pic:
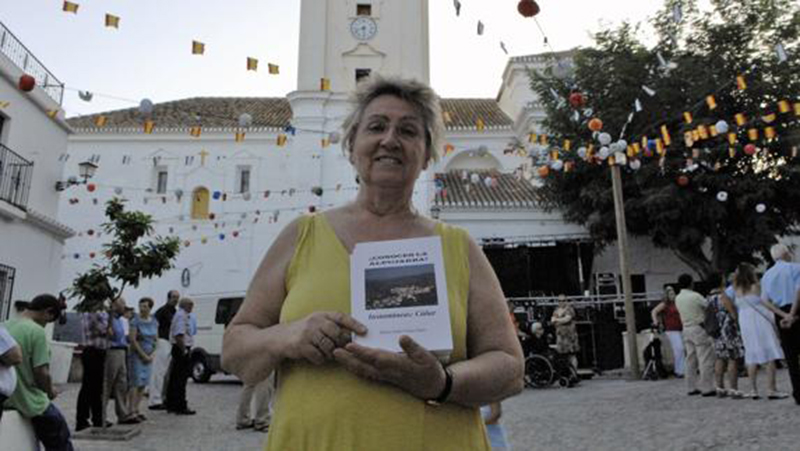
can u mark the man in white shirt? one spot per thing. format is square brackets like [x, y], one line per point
[182, 331]
[699, 346]
[10, 355]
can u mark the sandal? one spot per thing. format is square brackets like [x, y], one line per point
[752, 395]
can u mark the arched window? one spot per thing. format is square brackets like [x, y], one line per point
[200, 198]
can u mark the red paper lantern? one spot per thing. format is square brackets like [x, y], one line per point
[528, 8]
[312, 209]
[91, 254]
[235, 233]
[576, 99]
[544, 171]
[90, 232]
[595, 125]
[750, 149]
[27, 83]
[211, 216]
[683, 180]
[91, 187]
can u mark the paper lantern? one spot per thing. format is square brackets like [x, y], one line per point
[582, 152]
[92, 254]
[317, 191]
[595, 125]
[722, 196]
[26, 83]
[91, 187]
[235, 233]
[221, 236]
[557, 165]
[312, 209]
[528, 8]
[211, 216]
[576, 99]
[761, 208]
[245, 120]
[722, 127]
[750, 149]
[187, 243]
[683, 180]
[635, 164]
[544, 171]
[216, 195]
[604, 138]
[146, 107]
[604, 153]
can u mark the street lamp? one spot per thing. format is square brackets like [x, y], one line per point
[86, 171]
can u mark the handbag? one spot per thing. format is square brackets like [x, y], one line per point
[710, 323]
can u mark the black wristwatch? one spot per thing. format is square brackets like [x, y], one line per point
[448, 386]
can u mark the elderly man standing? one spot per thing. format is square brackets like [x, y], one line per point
[35, 388]
[699, 346]
[158, 376]
[116, 367]
[781, 286]
[182, 331]
[93, 357]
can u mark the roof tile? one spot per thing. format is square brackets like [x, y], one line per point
[510, 192]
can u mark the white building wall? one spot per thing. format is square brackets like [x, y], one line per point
[30, 239]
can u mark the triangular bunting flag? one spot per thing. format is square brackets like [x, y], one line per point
[324, 84]
[780, 52]
[480, 28]
[4, 104]
[273, 69]
[281, 141]
[148, 126]
[741, 83]
[100, 121]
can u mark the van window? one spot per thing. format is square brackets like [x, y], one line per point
[226, 308]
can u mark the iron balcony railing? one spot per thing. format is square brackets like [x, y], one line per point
[11, 47]
[6, 290]
[15, 178]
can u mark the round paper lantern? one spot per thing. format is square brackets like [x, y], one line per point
[475, 178]
[557, 165]
[317, 191]
[90, 232]
[26, 83]
[118, 191]
[604, 153]
[721, 126]
[604, 138]
[216, 195]
[203, 240]
[722, 196]
[91, 254]
[750, 149]
[91, 187]
[245, 120]
[221, 236]
[595, 125]
[622, 144]
[187, 243]
[683, 180]
[146, 107]
[576, 99]
[312, 209]
[635, 164]
[582, 152]
[235, 233]
[544, 171]
[211, 216]
[528, 8]
[761, 208]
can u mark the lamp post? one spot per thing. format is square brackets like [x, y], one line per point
[86, 171]
[622, 246]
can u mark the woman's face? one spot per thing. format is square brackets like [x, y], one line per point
[144, 308]
[389, 145]
[670, 294]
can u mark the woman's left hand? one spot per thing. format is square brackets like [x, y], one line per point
[418, 371]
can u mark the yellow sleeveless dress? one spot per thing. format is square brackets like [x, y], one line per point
[321, 408]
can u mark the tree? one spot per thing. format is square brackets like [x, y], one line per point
[678, 199]
[128, 261]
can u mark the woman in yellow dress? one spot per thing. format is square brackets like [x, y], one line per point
[334, 394]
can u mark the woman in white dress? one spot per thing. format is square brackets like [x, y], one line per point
[761, 344]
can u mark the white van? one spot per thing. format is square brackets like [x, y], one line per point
[213, 311]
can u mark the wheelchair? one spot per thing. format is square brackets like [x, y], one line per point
[545, 367]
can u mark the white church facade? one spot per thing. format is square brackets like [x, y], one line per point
[227, 184]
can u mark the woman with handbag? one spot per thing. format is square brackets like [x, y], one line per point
[761, 344]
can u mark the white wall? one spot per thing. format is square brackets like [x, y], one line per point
[32, 243]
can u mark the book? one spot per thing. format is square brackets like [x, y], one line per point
[399, 287]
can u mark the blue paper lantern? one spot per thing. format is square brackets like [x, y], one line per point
[217, 195]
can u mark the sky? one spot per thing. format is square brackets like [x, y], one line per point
[149, 56]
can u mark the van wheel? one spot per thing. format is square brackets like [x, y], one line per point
[200, 372]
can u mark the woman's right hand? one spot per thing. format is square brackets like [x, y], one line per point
[315, 337]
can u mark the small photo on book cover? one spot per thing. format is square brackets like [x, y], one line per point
[400, 286]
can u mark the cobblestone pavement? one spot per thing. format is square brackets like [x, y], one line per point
[599, 414]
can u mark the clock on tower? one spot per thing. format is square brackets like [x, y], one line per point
[363, 28]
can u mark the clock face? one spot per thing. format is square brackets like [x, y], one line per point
[363, 28]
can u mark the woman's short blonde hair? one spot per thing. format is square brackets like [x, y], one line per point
[418, 94]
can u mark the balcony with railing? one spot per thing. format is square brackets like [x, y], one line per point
[15, 178]
[14, 50]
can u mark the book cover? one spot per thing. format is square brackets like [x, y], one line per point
[399, 288]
